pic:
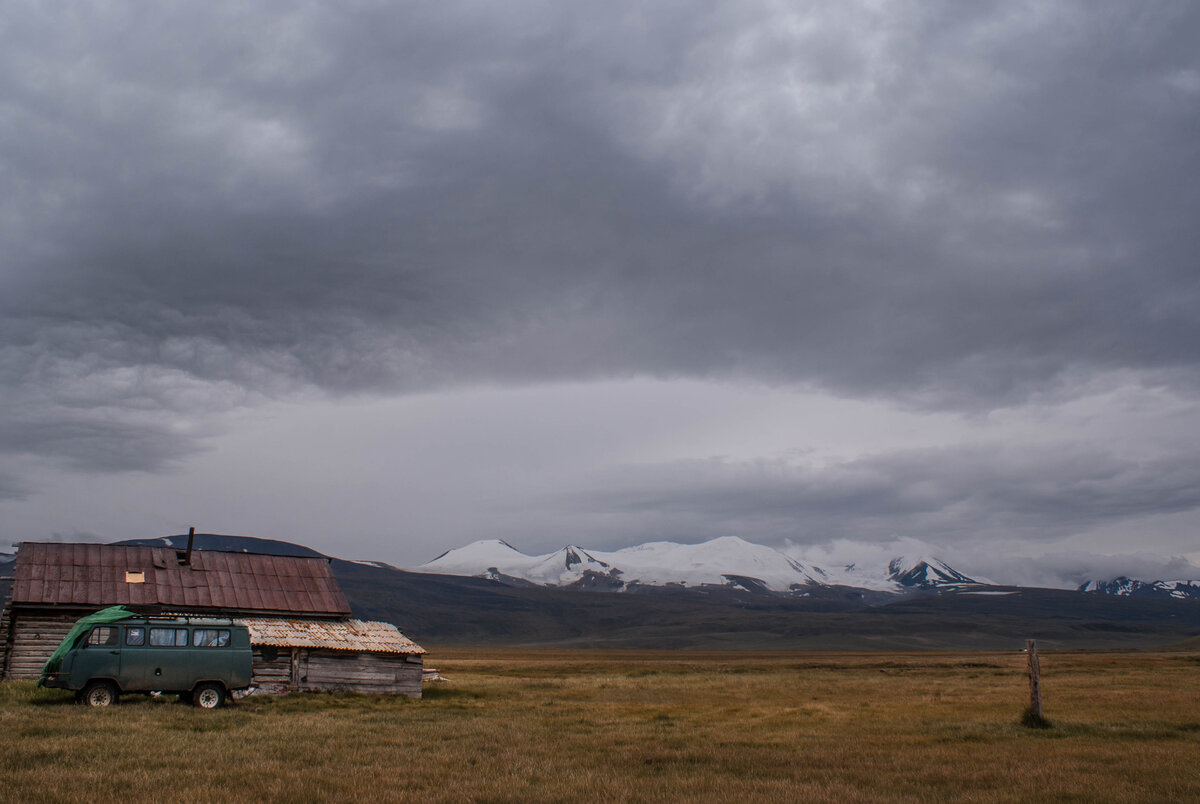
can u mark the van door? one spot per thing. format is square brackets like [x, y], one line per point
[97, 656]
[212, 654]
[135, 659]
[170, 659]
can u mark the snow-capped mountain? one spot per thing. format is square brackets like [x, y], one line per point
[1129, 587]
[496, 558]
[726, 561]
[925, 572]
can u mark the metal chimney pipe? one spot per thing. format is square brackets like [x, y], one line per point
[187, 559]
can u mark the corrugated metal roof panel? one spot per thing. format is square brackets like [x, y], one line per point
[351, 635]
[94, 575]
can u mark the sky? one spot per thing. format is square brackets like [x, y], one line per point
[387, 278]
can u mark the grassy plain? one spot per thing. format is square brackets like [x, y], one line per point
[518, 725]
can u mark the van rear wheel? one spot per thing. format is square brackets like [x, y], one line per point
[100, 694]
[208, 696]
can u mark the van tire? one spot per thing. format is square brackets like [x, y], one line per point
[100, 694]
[208, 695]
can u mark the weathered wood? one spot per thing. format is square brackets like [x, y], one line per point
[1035, 678]
[34, 638]
[5, 635]
[337, 671]
[270, 673]
[296, 676]
[316, 665]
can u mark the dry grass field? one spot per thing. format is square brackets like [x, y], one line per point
[515, 725]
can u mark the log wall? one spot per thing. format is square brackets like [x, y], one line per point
[271, 669]
[373, 673]
[33, 638]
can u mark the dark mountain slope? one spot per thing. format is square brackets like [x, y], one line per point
[458, 610]
[233, 544]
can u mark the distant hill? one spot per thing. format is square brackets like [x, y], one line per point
[1130, 587]
[232, 544]
[449, 609]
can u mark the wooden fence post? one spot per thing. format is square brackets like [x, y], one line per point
[1035, 678]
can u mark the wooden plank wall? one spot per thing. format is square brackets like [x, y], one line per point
[34, 638]
[374, 673]
[5, 640]
[271, 669]
[279, 670]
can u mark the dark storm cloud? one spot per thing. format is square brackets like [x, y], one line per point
[90, 443]
[959, 205]
[954, 496]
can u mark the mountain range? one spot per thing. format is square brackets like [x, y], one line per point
[736, 563]
[728, 594]
[1128, 587]
[723, 562]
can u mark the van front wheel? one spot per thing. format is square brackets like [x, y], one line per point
[100, 694]
[208, 696]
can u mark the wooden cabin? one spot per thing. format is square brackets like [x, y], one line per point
[342, 655]
[301, 632]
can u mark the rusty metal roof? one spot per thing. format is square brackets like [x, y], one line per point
[107, 575]
[353, 635]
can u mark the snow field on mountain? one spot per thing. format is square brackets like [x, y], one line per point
[717, 562]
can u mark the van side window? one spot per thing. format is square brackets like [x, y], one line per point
[168, 637]
[102, 635]
[210, 638]
[135, 635]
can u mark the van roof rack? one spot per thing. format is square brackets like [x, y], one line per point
[189, 619]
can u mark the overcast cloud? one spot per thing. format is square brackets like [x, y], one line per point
[653, 242]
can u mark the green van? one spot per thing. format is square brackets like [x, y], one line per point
[201, 658]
